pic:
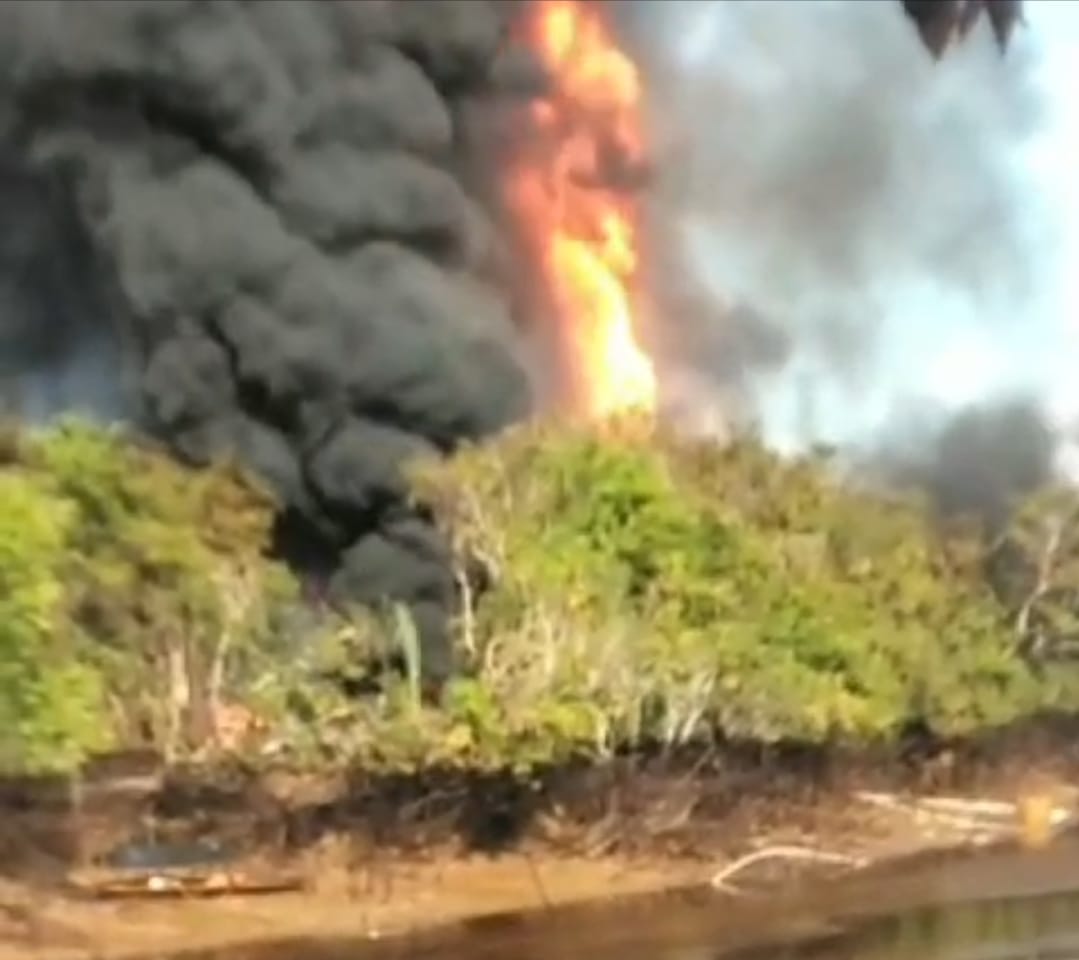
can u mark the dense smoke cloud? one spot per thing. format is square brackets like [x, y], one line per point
[274, 188]
[980, 462]
[264, 214]
[55, 352]
[829, 190]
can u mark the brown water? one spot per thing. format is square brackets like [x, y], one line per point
[1003, 905]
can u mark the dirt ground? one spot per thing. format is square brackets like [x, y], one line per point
[375, 859]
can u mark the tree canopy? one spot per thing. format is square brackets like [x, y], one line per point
[123, 576]
[619, 586]
[646, 586]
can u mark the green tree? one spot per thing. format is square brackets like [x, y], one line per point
[158, 578]
[651, 587]
[1034, 566]
[51, 704]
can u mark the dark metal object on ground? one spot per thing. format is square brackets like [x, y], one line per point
[138, 870]
[167, 856]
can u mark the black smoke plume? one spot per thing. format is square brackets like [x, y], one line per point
[257, 210]
[979, 463]
[251, 228]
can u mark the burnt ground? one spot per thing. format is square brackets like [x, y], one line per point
[375, 855]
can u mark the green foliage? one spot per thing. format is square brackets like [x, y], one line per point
[643, 588]
[49, 702]
[648, 587]
[133, 589]
[1034, 566]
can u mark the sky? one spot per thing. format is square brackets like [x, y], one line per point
[967, 364]
[943, 349]
[958, 359]
[1054, 32]
[965, 360]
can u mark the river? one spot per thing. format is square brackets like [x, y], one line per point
[999, 905]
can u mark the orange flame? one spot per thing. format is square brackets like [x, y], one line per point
[582, 228]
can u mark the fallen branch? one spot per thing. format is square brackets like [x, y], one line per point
[719, 879]
[888, 801]
[980, 812]
[994, 809]
[944, 807]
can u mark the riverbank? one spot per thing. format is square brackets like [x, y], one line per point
[377, 857]
[1016, 901]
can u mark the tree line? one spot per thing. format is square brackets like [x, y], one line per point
[618, 586]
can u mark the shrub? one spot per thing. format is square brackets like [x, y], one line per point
[51, 705]
[654, 588]
[137, 591]
[640, 588]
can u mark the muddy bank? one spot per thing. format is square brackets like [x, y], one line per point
[1006, 903]
[378, 856]
[930, 906]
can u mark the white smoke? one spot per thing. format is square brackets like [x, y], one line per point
[879, 212]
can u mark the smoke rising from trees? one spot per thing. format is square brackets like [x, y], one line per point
[301, 273]
[252, 226]
[833, 205]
